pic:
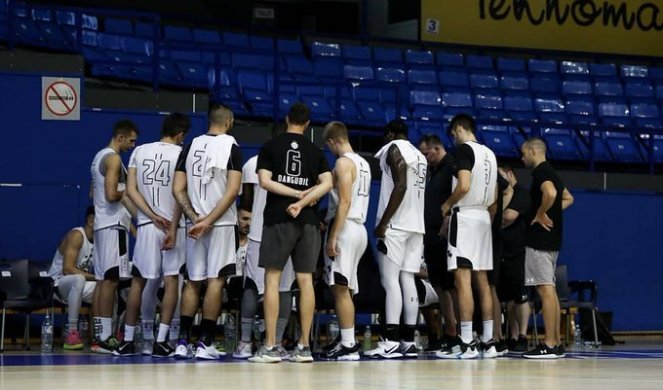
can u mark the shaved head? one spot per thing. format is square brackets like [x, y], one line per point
[537, 144]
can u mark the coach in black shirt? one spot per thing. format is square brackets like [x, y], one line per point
[543, 240]
[295, 174]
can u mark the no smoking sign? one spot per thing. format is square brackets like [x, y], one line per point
[60, 98]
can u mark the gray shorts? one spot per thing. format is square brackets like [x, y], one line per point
[540, 267]
[287, 239]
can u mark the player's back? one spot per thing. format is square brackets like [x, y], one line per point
[361, 188]
[107, 214]
[484, 178]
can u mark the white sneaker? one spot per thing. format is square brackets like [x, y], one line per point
[205, 352]
[264, 355]
[488, 350]
[386, 349]
[146, 348]
[243, 351]
[470, 351]
[183, 350]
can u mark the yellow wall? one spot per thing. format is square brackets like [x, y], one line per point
[632, 27]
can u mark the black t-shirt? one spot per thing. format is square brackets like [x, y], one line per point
[496, 226]
[438, 190]
[536, 236]
[513, 235]
[234, 162]
[295, 162]
[464, 158]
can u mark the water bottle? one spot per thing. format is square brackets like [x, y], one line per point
[367, 339]
[333, 329]
[577, 337]
[258, 328]
[417, 340]
[84, 328]
[229, 334]
[47, 335]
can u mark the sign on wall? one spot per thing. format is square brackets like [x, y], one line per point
[60, 98]
[631, 27]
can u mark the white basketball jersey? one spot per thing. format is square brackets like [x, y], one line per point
[84, 260]
[361, 188]
[240, 259]
[155, 170]
[484, 178]
[410, 214]
[249, 176]
[206, 172]
[108, 214]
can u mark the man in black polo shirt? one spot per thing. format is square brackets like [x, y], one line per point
[511, 286]
[543, 240]
[438, 189]
[295, 174]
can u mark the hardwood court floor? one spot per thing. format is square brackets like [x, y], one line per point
[635, 367]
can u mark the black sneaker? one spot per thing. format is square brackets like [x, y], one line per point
[542, 351]
[162, 350]
[126, 348]
[560, 351]
[448, 341]
[433, 346]
[332, 345]
[502, 348]
[520, 345]
[488, 350]
[339, 352]
[107, 346]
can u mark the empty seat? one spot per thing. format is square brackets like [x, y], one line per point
[372, 112]
[233, 39]
[519, 108]
[357, 55]
[457, 102]
[499, 140]
[446, 60]
[489, 106]
[261, 43]
[321, 110]
[608, 90]
[601, 151]
[328, 71]
[300, 68]
[511, 65]
[542, 66]
[614, 114]
[482, 81]
[319, 49]
[422, 78]
[550, 110]
[178, 34]
[623, 147]
[147, 30]
[206, 37]
[479, 63]
[416, 59]
[638, 92]
[358, 73]
[425, 98]
[646, 115]
[252, 61]
[580, 111]
[545, 85]
[450, 80]
[603, 71]
[561, 144]
[387, 57]
[576, 88]
[656, 74]
[514, 83]
[572, 70]
[289, 47]
[634, 71]
[118, 26]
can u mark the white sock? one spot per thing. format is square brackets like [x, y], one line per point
[487, 331]
[72, 326]
[174, 329]
[129, 332]
[106, 328]
[163, 331]
[348, 337]
[148, 330]
[97, 328]
[466, 331]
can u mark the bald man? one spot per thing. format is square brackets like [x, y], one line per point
[543, 240]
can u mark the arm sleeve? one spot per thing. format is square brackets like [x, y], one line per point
[464, 158]
[502, 184]
[264, 159]
[181, 160]
[235, 160]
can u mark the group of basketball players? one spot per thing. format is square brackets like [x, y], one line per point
[184, 203]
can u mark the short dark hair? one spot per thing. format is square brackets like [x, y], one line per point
[218, 113]
[507, 168]
[124, 127]
[89, 211]
[299, 114]
[465, 121]
[396, 126]
[431, 139]
[175, 123]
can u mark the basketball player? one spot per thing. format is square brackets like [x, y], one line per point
[469, 235]
[295, 174]
[207, 180]
[253, 198]
[113, 212]
[400, 233]
[160, 241]
[243, 228]
[70, 271]
[543, 240]
[346, 236]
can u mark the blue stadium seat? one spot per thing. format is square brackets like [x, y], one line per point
[515, 83]
[601, 151]
[390, 75]
[426, 105]
[358, 73]
[388, 95]
[255, 88]
[483, 81]
[542, 66]
[206, 37]
[349, 113]
[454, 81]
[422, 78]
[550, 110]
[572, 70]
[137, 50]
[561, 144]
[581, 111]
[659, 92]
[449, 61]
[67, 18]
[499, 140]
[367, 94]
[637, 92]
[357, 55]
[53, 35]
[489, 106]
[416, 59]
[623, 147]
[519, 108]
[600, 72]
[286, 100]
[372, 112]
[252, 61]
[321, 110]
[328, 70]
[290, 47]
[511, 65]
[26, 31]
[319, 49]
[237, 40]
[300, 69]
[479, 64]
[177, 34]
[457, 102]
[576, 88]
[118, 26]
[614, 114]
[209, 58]
[263, 44]
[658, 148]
[609, 91]
[388, 57]
[545, 85]
[147, 30]
[646, 115]
[656, 74]
[634, 72]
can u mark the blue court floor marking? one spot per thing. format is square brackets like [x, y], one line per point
[63, 359]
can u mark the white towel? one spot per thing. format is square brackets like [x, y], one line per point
[217, 154]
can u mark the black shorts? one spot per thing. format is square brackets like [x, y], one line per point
[511, 286]
[435, 256]
[290, 239]
[494, 274]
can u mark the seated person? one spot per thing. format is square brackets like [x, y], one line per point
[70, 271]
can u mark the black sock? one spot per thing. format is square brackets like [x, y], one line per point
[186, 323]
[392, 333]
[208, 328]
[407, 333]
